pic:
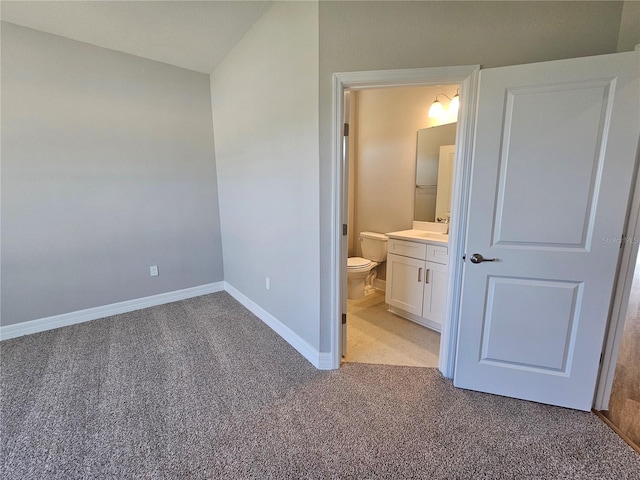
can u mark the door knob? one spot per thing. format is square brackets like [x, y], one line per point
[478, 258]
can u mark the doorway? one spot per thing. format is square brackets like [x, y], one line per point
[624, 404]
[567, 78]
[394, 179]
[467, 78]
[618, 396]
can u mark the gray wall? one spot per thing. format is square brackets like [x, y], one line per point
[357, 36]
[265, 108]
[107, 168]
[629, 35]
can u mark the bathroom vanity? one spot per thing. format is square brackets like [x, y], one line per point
[416, 282]
[417, 276]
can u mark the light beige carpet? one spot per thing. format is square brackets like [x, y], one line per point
[202, 389]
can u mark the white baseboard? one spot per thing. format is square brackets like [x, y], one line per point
[325, 361]
[380, 284]
[321, 361]
[316, 358]
[80, 316]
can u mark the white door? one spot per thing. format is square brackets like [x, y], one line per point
[552, 170]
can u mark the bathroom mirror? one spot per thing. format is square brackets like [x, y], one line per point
[433, 181]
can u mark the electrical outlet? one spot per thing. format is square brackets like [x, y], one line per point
[153, 270]
[267, 283]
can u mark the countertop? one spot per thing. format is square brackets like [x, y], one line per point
[421, 236]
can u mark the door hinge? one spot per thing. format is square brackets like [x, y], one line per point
[344, 229]
[346, 130]
[622, 240]
[344, 318]
[601, 357]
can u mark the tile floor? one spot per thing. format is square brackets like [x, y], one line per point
[375, 335]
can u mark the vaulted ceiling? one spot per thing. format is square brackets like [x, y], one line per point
[190, 34]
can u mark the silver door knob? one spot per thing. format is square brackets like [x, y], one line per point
[478, 258]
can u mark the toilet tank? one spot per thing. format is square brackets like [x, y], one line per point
[374, 246]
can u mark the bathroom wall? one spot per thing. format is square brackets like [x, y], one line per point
[107, 168]
[386, 126]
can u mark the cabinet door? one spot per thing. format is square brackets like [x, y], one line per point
[435, 292]
[405, 277]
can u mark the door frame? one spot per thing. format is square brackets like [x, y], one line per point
[468, 79]
[629, 243]
[621, 292]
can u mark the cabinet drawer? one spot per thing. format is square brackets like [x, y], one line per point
[437, 254]
[407, 249]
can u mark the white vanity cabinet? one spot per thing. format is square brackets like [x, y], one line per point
[417, 281]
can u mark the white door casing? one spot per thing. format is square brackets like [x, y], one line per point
[553, 160]
[344, 238]
[467, 78]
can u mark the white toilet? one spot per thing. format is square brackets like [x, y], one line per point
[361, 271]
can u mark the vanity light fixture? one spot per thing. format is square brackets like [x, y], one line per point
[455, 103]
[436, 110]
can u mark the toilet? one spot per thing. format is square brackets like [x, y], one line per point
[361, 271]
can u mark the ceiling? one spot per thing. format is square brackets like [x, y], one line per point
[190, 34]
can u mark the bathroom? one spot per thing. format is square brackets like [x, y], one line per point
[385, 195]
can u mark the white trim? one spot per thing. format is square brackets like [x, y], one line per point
[321, 361]
[468, 78]
[461, 187]
[81, 316]
[405, 77]
[380, 284]
[325, 361]
[335, 286]
[620, 305]
[425, 322]
[318, 360]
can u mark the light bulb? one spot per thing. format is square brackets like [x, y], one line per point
[454, 105]
[436, 110]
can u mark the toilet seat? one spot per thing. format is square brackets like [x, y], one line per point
[355, 264]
